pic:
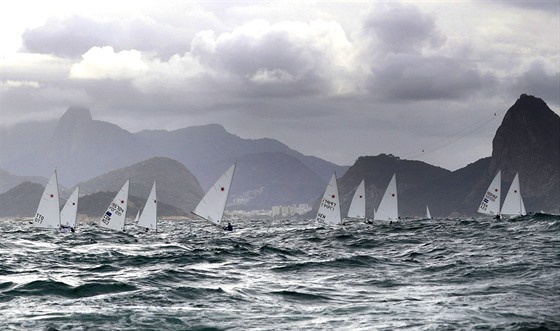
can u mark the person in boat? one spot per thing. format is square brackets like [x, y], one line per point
[497, 217]
[66, 229]
[147, 229]
[229, 227]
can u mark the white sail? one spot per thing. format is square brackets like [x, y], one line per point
[388, 208]
[148, 218]
[137, 217]
[69, 212]
[358, 205]
[428, 215]
[513, 203]
[329, 208]
[48, 211]
[213, 204]
[490, 204]
[116, 212]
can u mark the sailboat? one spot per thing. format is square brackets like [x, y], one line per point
[48, 211]
[513, 203]
[69, 212]
[148, 218]
[329, 208]
[490, 204]
[211, 207]
[428, 215]
[388, 208]
[116, 212]
[358, 204]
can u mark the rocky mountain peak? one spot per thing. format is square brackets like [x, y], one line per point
[528, 142]
[76, 114]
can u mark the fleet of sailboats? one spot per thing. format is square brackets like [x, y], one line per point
[211, 207]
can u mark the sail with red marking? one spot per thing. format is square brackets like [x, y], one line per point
[389, 208]
[148, 217]
[490, 204]
[69, 212]
[329, 208]
[513, 203]
[358, 204]
[213, 204]
[48, 211]
[115, 214]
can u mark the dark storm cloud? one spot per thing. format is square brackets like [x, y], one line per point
[403, 29]
[269, 60]
[536, 81]
[414, 77]
[74, 36]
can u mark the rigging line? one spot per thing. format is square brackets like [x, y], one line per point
[458, 136]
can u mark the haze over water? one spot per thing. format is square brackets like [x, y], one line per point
[415, 274]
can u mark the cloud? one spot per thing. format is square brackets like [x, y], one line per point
[73, 36]
[279, 59]
[403, 29]
[538, 79]
[13, 84]
[104, 63]
[415, 77]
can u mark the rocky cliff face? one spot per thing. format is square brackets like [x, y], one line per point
[528, 142]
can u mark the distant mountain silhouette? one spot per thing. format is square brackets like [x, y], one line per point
[21, 201]
[527, 142]
[9, 180]
[82, 148]
[175, 184]
[377, 172]
[266, 179]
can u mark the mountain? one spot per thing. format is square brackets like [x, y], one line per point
[204, 150]
[527, 142]
[175, 184]
[9, 180]
[82, 148]
[21, 201]
[266, 179]
[94, 205]
[377, 172]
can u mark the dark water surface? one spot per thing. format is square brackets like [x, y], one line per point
[285, 275]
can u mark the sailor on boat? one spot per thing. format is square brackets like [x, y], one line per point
[66, 229]
[229, 227]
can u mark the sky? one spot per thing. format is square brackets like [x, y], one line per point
[423, 80]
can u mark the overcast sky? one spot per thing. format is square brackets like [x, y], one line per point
[420, 80]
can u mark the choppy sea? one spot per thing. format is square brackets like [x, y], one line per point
[442, 274]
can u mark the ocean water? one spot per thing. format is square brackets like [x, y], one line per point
[443, 274]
